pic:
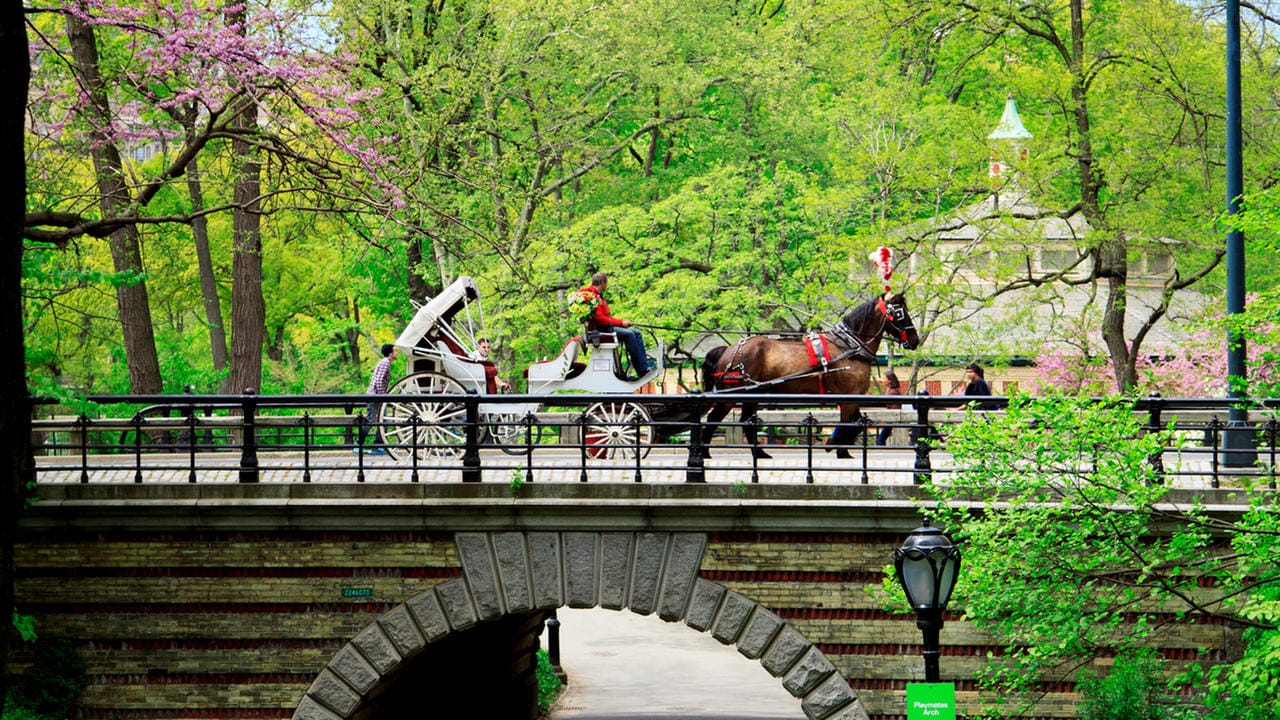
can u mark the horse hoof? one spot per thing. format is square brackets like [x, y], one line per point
[843, 454]
[759, 454]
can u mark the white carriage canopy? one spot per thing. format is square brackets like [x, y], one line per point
[440, 317]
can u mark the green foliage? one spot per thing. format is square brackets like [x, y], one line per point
[25, 625]
[732, 165]
[1070, 500]
[21, 712]
[1247, 689]
[50, 686]
[549, 684]
[516, 483]
[1134, 689]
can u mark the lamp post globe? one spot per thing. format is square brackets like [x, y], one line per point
[927, 566]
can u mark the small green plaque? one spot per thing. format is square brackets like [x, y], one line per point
[351, 592]
[931, 701]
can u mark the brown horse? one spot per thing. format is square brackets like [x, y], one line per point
[763, 365]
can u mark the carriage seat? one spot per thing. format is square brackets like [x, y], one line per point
[459, 365]
[561, 367]
[596, 338]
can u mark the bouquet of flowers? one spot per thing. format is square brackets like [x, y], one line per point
[583, 306]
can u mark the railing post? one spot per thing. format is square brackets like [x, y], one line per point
[415, 422]
[361, 424]
[582, 446]
[695, 466]
[307, 422]
[249, 441]
[471, 455]
[756, 424]
[810, 423]
[83, 422]
[1153, 426]
[865, 423]
[191, 440]
[529, 419]
[633, 422]
[362, 432]
[137, 447]
[1214, 430]
[923, 467]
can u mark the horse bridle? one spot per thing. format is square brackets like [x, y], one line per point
[894, 316]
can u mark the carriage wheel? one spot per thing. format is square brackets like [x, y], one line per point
[506, 430]
[615, 429]
[440, 430]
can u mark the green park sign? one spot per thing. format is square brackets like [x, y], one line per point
[931, 701]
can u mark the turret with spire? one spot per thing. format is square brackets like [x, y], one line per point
[1010, 134]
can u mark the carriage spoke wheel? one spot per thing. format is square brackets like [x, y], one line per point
[506, 430]
[440, 427]
[615, 429]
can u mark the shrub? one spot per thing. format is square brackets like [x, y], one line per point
[50, 687]
[1133, 690]
[549, 684]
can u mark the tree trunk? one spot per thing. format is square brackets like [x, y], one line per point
[1110, 256]
[1112, 261]
[419, 288]
[208, 281]
[132, 302]
[248, 309]
[15, 402]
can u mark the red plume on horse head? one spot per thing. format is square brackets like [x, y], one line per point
[883, 258]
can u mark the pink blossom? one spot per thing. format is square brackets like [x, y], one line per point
[1196, 368]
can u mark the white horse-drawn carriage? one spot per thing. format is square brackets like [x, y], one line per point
[425, 411]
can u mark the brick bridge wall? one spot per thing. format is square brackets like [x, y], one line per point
[321, 602]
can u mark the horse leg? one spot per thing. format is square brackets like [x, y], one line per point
[749, 429]
[718, 413]
[847, 430]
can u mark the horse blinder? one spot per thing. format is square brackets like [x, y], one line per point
[897, 315]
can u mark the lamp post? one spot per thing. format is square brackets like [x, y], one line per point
[927, 566]
[1238, 447]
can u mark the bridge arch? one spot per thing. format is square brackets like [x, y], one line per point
[521, 574]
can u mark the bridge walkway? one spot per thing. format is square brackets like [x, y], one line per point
[789, 465]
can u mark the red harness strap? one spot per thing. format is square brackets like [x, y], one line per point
[728, 378]
[812, 343]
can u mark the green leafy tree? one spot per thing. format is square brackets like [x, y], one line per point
[1093, 554]
[1126, 103]
[527, 119]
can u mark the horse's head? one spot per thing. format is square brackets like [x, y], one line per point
[898, 326]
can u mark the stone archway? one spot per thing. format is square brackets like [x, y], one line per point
[522, 572]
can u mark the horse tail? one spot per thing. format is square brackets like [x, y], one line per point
[709, 365]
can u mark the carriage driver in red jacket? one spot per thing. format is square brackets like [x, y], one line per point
[602, 321]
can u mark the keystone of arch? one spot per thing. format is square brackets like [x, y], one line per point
[521, 572]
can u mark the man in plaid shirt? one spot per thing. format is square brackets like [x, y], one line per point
[377, 386]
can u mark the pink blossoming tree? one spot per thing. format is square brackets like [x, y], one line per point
[1196, 368]
[228, 83]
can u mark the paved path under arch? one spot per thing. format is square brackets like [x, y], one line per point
[623, 665]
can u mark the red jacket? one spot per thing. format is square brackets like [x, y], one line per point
[600, 317]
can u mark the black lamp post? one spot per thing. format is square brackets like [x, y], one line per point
[927, 566]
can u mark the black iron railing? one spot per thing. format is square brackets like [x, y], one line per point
[603, 438]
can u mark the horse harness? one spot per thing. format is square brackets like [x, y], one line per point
[735, 374]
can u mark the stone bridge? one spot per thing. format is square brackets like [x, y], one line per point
[346, 600]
